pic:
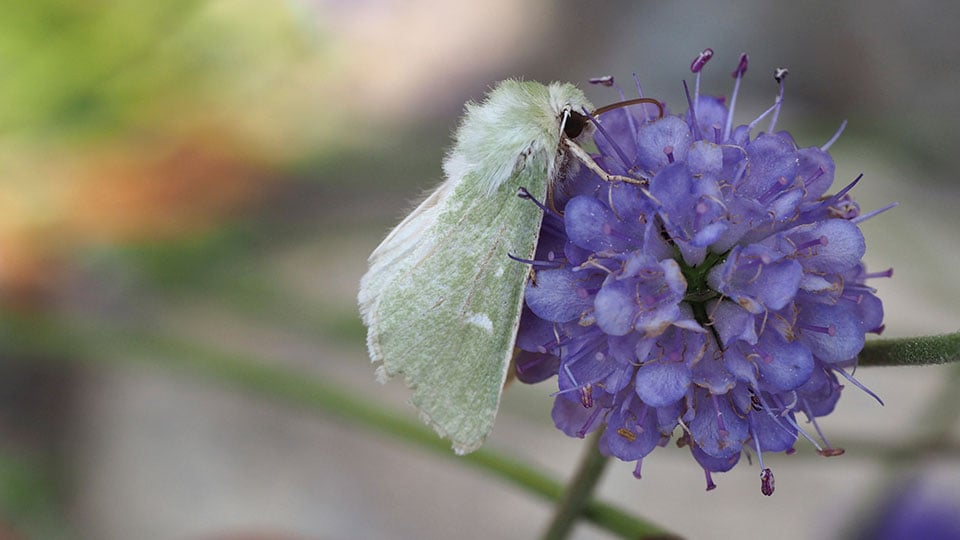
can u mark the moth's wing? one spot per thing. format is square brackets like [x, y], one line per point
[406, 244]
[443, 309]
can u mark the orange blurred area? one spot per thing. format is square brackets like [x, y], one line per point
[161, 189]
[158, 187]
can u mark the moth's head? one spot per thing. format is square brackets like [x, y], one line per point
[569, 104]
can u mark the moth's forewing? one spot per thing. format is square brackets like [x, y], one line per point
[448, 322]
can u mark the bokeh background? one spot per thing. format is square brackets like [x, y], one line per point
[191, 176]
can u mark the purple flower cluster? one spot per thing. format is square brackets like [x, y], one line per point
[714, 290]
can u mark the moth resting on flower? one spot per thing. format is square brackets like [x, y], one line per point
[442, 298]
[694, 278]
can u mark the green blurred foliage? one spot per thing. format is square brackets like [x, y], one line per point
[95, 67]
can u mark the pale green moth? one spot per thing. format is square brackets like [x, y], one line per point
[442, 299]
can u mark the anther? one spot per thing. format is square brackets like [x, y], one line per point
[766, 482]
[738, 75]
[606, 80]
[586, 396]
[701, 60]
[741, 66]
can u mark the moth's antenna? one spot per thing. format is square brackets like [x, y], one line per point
[627, 103]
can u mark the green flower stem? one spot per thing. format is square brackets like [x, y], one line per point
[917, 351]
[578, 492]
[39, 337]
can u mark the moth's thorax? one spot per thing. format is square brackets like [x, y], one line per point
[518, 126]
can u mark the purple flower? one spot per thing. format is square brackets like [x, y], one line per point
[715, 296]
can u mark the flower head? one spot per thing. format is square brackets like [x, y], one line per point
[718, 294]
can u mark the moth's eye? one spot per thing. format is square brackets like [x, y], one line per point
[575, 124]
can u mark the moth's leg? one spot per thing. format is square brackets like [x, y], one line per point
[583, 157]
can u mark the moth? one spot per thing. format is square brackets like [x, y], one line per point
[442, 298]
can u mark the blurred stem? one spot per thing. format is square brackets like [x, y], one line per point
[916, 351]
[579, 491]
[47, 338]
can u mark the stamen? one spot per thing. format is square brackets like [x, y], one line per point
[826, 146]
[697, 136]
[586, 396]
[829, 450]
[766, 482]
[855, 298]
[885, 274]
[780, 75]
[636, 470]
[847, 188]
[813, 177]
[863, 217]
[858, 384]
[582, 432]
[822, 241]
[721, 426]
[710, 485]
[775, 189]
[697, 65]
[828, 330]
[636, 80]
[763, 115]
[741, 170]
[668, 150]
[535, 263]
[701, 60]
[738, 76]
[610, 140]
[525, 194]
[803, 433]
[606, 80]
[623, 104]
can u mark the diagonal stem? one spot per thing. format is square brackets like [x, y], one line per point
[579, 491]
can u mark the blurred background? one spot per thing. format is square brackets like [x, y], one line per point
[190, 178]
